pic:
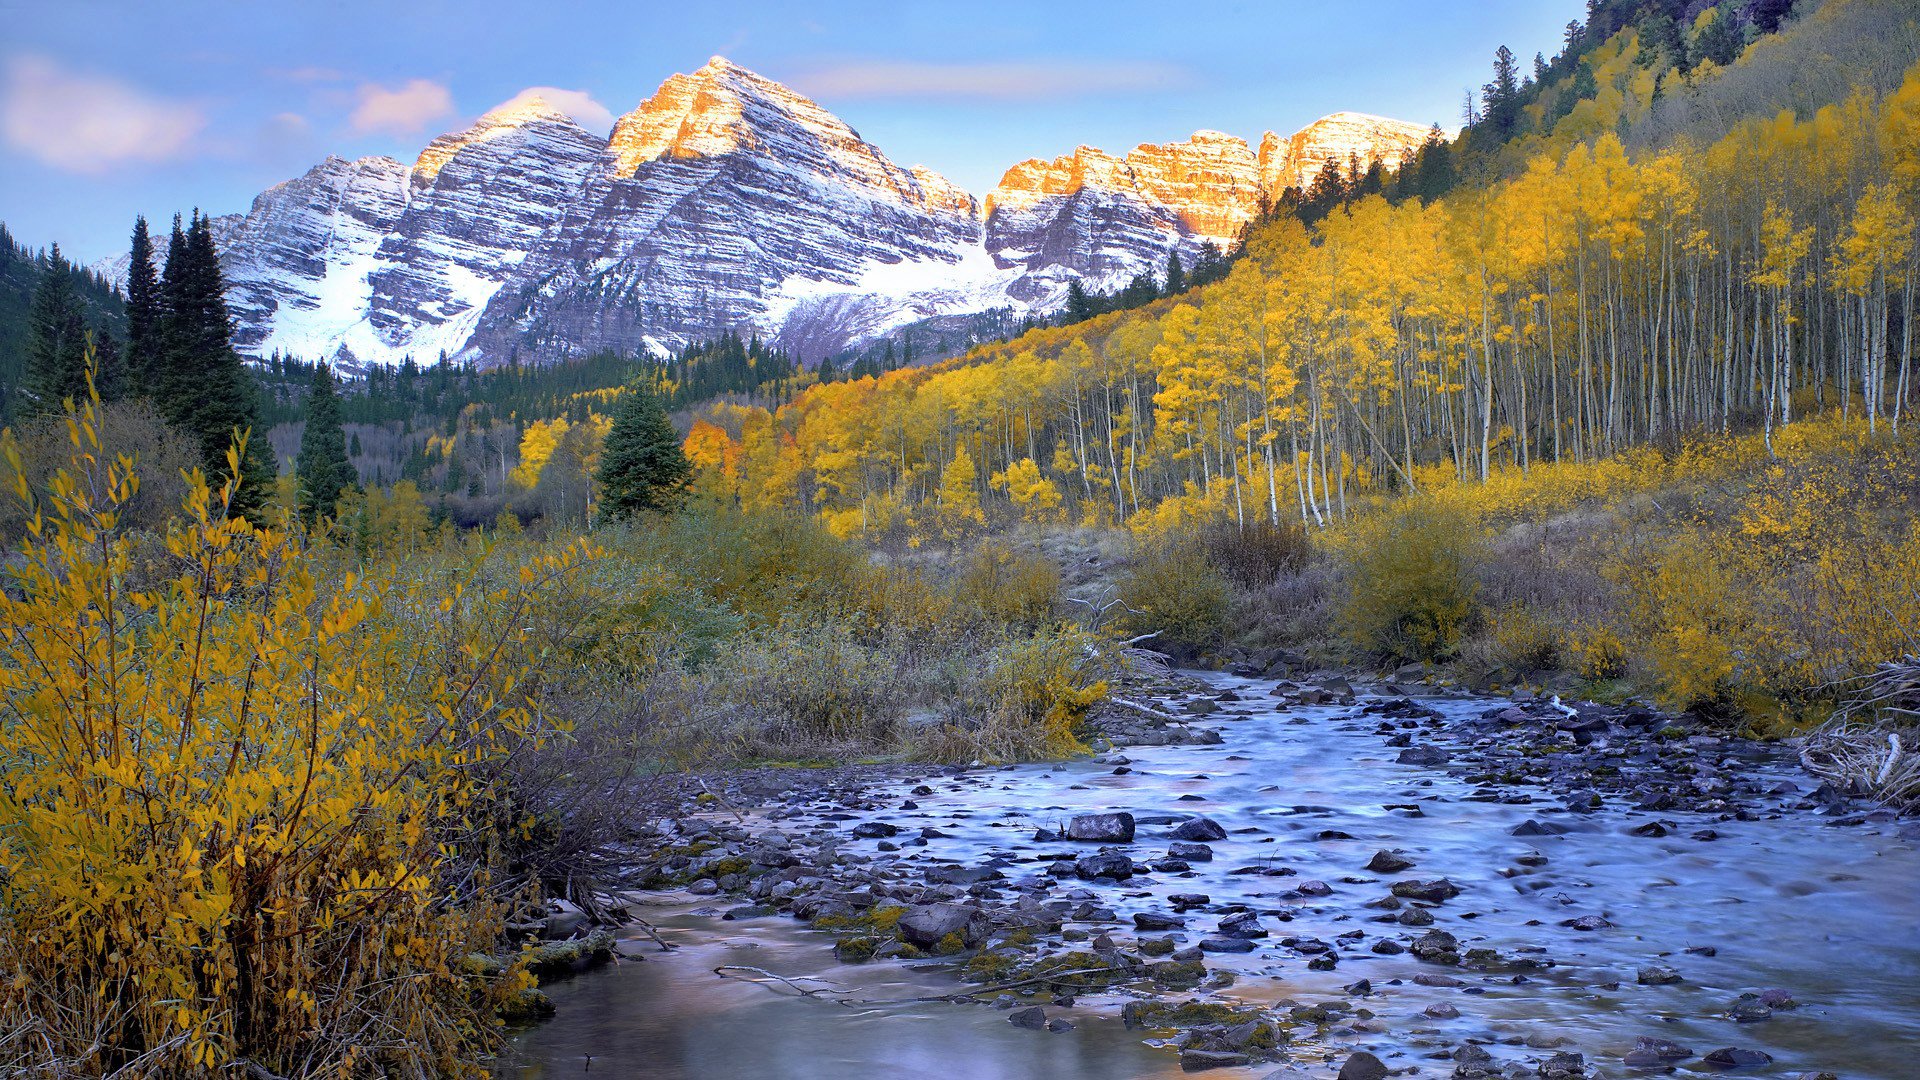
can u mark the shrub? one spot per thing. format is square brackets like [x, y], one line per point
[817, 684]
[238, 812]
[1025, 703]
[1256, 554]
[1523, 642]
[1602, 655]
[1412, 594]
[1009, 587]
[1172, 588]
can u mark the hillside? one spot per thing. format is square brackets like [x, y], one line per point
[20, 272]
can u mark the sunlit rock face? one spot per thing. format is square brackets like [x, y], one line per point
[1341, 139]
[725, 201]
[1102, 219]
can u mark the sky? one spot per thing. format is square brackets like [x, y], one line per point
[111, 109]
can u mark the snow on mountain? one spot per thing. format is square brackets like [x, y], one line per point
[724, 201]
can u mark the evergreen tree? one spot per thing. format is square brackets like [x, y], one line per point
[1079, 304]
[57, 341]
[322, 467]
[203, 387]
[1500, 99]
[642, 466]
[1720, 40]
[1176, 275]
[1436, 173]
[141, 361]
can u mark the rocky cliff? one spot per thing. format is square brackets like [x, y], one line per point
[724, 201]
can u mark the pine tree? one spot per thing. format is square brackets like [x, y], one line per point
[1500, 99]
[642, 467]
[57, 341]
[322, 467]
[141, 359]
[203, 387]
[1079, 304]
[1176, 281]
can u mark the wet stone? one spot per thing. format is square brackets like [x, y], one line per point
[1200, 829]
[1102, 828]
[1386, 862]
[1733, 1057]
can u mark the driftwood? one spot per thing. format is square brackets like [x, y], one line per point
[1870, 743]
[1147, 710]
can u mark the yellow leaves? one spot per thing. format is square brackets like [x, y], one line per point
[252, 755]
[1878, 240]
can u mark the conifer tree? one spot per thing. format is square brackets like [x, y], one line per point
[203, 388]
[642, 466]
[1176, 281]
[1079, 304]
[322, 467]
[141, 359]
[57, 342]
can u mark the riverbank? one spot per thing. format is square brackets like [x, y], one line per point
[1349, 870]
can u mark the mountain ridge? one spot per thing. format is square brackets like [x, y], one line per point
[725, 200]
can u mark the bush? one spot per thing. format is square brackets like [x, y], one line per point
[1412, 593]
[1008, 587]
[1024, 702]
[1172, 588]
[814, 686]
[1523, 642]
[1255, 555]
[239, 811]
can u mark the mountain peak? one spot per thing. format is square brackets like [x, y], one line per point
[524, 109]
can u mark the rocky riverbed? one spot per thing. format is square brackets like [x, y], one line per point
[1275, 879]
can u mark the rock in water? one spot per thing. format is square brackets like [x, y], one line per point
[1102, 828]
[1386, 862]
[1363, 1066]
[1033, 1018]
[928, 926]
[1108, 864]
[1732, 1057]
[1199, 829]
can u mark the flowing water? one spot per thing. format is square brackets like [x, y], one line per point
[1792, 902]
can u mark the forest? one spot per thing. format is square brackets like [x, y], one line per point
[346, 715]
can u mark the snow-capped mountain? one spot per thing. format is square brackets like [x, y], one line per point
[724, 201]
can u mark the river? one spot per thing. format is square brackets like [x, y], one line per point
[1789, 901]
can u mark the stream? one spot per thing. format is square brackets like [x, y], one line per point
[1790, 901]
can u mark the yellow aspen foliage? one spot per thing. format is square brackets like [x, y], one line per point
[537, 444]
[239, 815]
[1033, 494]
[960, 495]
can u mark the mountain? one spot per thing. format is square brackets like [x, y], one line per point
[724, 201]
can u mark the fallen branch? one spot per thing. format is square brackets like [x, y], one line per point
[1148, 710]
[1056, 976]
[724, 969]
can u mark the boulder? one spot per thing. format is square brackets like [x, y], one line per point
[1200, 829]
[1363, 1066]
[1108, 864]
[1102, 828]
[931, 924]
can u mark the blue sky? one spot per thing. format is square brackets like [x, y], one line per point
[112, 109]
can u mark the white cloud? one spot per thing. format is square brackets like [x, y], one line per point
[403, 111]
[1017, 80]
[578, 104]
[89, 123]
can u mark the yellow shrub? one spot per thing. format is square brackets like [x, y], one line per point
[233, 807]
[1412, 592]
